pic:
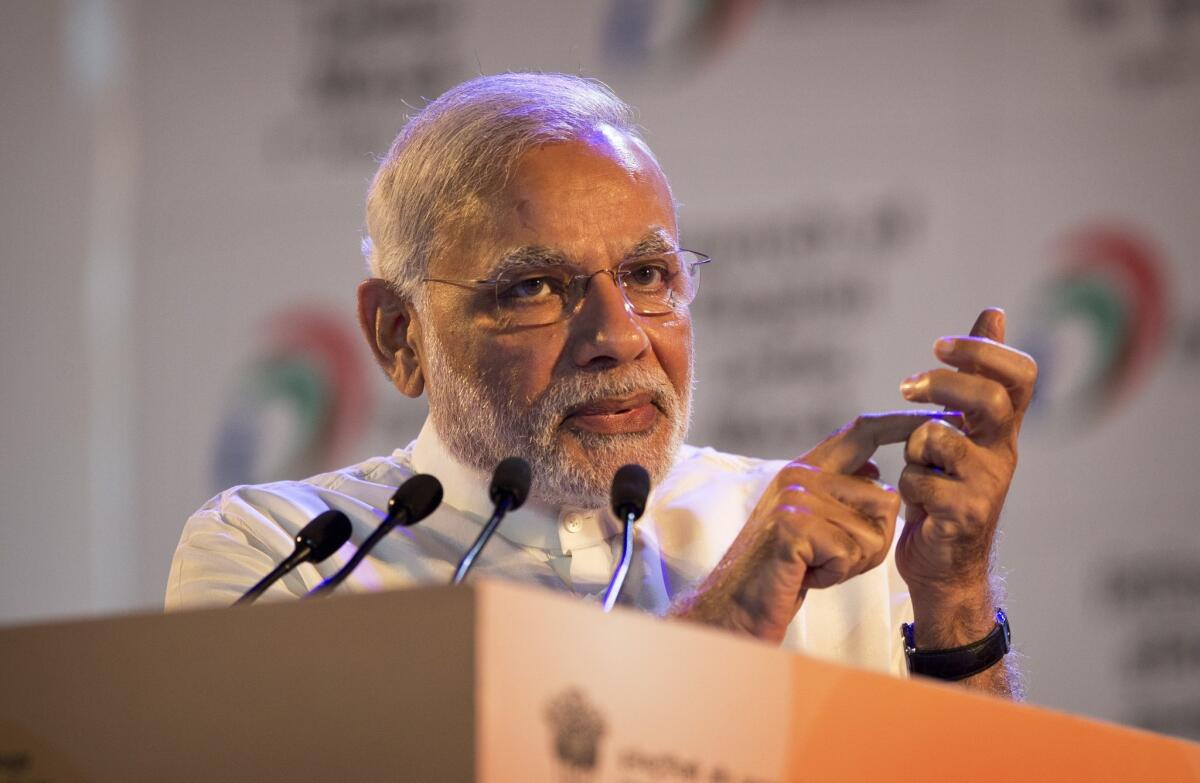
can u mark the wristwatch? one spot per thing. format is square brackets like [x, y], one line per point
[958, 663]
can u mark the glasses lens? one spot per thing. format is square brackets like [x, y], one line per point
[661, 283]
[656, 284]
[531, 297]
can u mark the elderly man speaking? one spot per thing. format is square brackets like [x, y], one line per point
[527, 274]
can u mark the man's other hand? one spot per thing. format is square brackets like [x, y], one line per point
[955, 480]
[823, 519]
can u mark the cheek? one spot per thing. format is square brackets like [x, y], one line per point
[672, 343]
[522, 364]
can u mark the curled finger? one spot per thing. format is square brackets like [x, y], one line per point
[1013, 369]
[866, 497]
[941, 446]
[952, 508]
[830, 553]
[985, 403]
[871, 535]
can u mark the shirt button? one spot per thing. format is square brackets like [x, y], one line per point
[573, 523]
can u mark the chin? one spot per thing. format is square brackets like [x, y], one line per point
[590, 459]
[573, 466]
[597, 446]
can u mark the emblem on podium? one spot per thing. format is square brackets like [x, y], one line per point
[577, 729]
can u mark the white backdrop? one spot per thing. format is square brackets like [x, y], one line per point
[182, 206]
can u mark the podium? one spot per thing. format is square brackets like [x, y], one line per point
[498, 682]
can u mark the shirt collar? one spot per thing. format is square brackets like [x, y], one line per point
[557, 530]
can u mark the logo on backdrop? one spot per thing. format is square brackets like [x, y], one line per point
[298, 405]
[707, 28]
[636, 35]
[1101, 323]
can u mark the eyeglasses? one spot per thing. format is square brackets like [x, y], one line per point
[538, 295]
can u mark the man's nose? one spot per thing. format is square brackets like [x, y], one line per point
[605, 329]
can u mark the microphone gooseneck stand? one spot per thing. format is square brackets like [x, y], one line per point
[510, 487]
[630, 487]
[468, 559]
[318, 540]
[412, 502]
[618, 579]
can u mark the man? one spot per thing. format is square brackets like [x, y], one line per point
[527, 276]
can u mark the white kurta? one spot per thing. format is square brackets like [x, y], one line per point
[691, 519]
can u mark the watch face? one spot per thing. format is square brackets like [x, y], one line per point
[1002, 621]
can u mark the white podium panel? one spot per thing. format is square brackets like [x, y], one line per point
[497, 683]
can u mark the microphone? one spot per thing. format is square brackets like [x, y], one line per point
[630, 487]
[316, 541]
[412, 502]
[510, 487]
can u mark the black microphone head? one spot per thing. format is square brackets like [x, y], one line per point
[630, 487]
[324, 535]
[417, 497]
[511, 479]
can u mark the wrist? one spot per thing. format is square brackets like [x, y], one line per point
[730, 606]
[962, 662]
[947, 617]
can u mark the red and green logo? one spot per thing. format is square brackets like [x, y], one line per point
[298, 406]
[1101, 324]
[632, 34]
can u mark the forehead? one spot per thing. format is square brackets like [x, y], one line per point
[591, 200]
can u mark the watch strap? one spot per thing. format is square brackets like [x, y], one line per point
[958, 663]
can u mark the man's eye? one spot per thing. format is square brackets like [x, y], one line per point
[530, 288]
[648, 275]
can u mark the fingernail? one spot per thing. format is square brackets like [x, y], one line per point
[944, 346]
[912, 385]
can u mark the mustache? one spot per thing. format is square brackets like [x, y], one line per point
[574, 391]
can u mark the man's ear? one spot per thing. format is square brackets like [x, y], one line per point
[389, 323]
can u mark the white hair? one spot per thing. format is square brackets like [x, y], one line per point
[459, 150]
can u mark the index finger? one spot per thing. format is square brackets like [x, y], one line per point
[848, 449]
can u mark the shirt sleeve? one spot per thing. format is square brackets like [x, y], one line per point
[900, 604]
[216, 562]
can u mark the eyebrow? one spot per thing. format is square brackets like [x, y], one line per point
[657, 240]
[526, 257]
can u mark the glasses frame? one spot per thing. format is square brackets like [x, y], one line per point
[577, 285]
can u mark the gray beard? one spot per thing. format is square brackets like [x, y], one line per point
[481, 425]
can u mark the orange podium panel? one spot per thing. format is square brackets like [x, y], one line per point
[497, 682]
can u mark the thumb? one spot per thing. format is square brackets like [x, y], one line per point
[990, 324]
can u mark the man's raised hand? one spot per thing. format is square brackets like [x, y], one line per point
[955, 480]
[822, 520]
